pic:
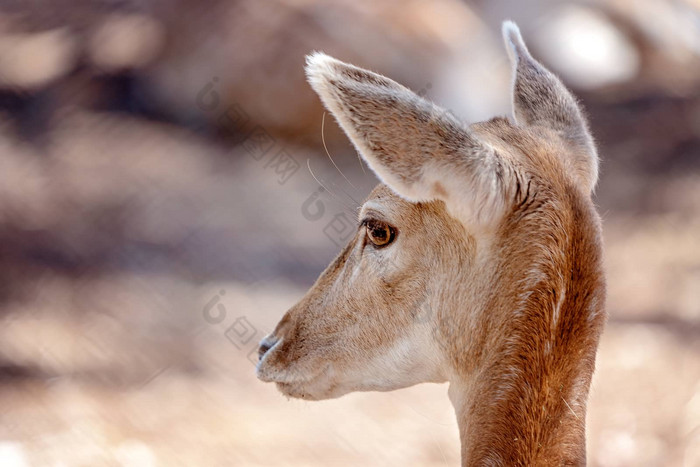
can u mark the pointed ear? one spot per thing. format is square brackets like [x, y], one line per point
[540, 99]
[416, 148]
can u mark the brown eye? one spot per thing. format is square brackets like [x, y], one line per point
[379, 233]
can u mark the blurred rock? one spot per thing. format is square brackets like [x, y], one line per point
[586, 48]
[643, 44]
[29, 61]
[251, 54]
[125, 41]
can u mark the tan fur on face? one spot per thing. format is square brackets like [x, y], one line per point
[494, 281]
[370, 301]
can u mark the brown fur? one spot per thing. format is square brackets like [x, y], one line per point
[494, 281]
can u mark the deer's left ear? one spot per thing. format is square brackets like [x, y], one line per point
[540, 99]
[415, 147]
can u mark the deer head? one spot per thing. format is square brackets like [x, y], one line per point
[476, 261]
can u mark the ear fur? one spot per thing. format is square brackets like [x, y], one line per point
[540, 99]
[415, 147]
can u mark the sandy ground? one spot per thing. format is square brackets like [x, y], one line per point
[644, 409]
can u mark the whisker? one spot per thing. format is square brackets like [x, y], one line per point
[362, 164]
[346, 193]
[323, 138]
[342, 203]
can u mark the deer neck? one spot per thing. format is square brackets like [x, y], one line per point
[524, 407]
[521, 381]
[503, 420]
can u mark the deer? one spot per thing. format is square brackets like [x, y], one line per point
[491, 228]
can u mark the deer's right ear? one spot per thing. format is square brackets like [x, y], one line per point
[415, 147]
[540, 98]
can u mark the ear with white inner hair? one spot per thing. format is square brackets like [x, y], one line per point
[415, 147]
[540, 99]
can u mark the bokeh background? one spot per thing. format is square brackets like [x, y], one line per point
[159, 213]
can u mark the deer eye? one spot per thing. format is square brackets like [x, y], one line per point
[379, 233]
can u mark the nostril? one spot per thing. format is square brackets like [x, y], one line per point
[265, 345]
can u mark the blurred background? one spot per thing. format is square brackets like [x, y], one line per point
[158, 215]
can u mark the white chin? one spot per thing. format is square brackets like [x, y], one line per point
[319, 388]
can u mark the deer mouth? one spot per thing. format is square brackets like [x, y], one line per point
[302, 380]
[317, 386]
[309, 390]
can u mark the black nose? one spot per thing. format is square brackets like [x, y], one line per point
[265, 345]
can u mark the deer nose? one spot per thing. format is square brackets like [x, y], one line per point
[266, 344]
